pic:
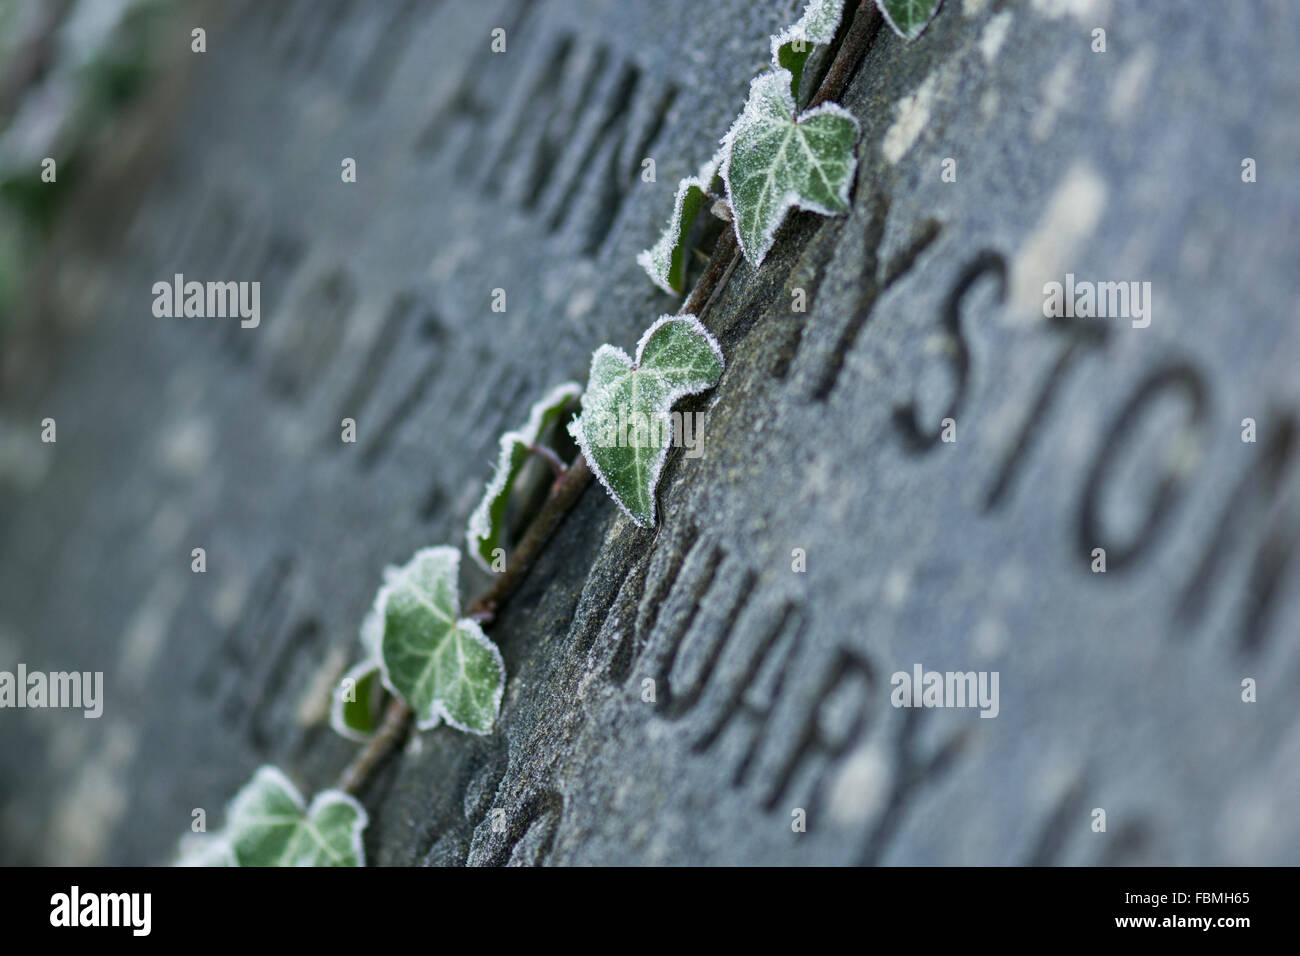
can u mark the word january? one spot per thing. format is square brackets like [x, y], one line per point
[57, 689]
[1101, 300]
[210, 300]
[102, 909]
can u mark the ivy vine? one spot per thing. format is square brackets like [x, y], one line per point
[426, 658]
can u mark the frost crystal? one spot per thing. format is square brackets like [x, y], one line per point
[773, 161]
[445, 668]
[625, 429]
[665, 261]
[486, 531]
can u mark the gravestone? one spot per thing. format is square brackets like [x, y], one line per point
[683, 694]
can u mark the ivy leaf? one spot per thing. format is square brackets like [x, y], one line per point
[358, 718]
[773, 161]
[206, 849]
[665, 261]
[487, 525]
[444, 668]
[793, 45]
[372, 625]
[675, 357]
[271, 825]
[908, 18]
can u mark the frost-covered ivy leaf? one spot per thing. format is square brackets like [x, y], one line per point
[626, 428]
[206, 849]
[270, 825]
[773, 161]
[442, 665]
[793, 45]
[358, 718]
[487, 530]
[665, 261]
[356, 708]
[372, 625]
[908, 18]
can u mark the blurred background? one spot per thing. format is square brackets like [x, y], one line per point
[69, 72]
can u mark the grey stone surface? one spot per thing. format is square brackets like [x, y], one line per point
[1119, 691]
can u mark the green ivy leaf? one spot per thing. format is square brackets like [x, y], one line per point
[793, 45]
[358, 718]
[271, 825]
[625, 428]
[908, 18]
[356, 709]
[665, 261]
[445, 668]
[487, 525]
[774, 160]
[206, 849]
[372, 625]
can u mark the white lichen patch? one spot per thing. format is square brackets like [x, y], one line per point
[1130, 85]
[861, 788]
[1087, 12]
[994, 35]
[911, 115]
[1053, 96]
[1051, 249]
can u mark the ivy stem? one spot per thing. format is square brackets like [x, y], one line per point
[862, 31]
[550, 457]
[392, 731]
[721, 263]
[573, 480]
[563, 496]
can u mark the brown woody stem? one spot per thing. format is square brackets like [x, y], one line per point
[550, 457]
